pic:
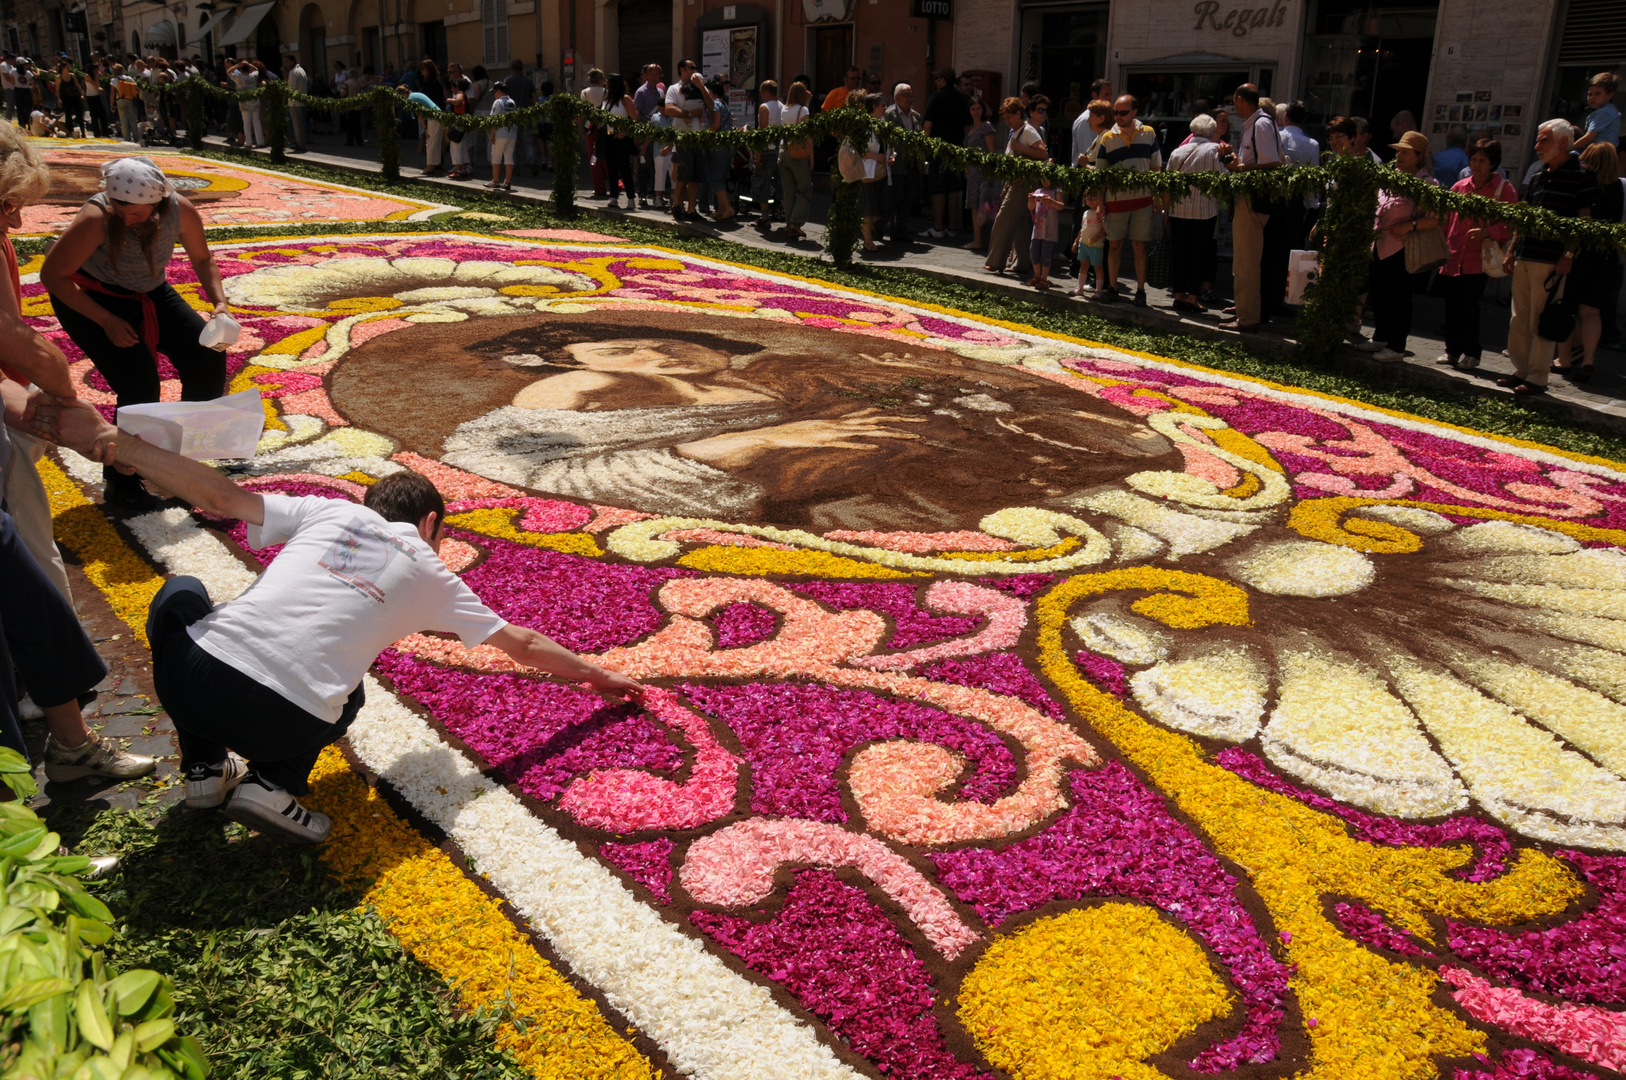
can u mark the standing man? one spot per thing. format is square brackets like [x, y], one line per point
[836, 98]
[22, 88]
[1286, 230]
[947, 117]
[300, 83]
[1566, 188]
[8, 82]
[688, 100]
[1259, 147]
[1132, 145]
[903, 170]
[522, 92]
[648, 100]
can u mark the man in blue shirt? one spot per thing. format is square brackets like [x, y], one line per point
[1449, 163]
[1603, 122]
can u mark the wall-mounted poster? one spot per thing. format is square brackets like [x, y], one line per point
[1512, 112]
[714, 53]
[742, 53]
[1512, 130]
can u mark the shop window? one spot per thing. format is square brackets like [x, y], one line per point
[494, 20]
[832, 48]
[1368, 59]
[1594, 41]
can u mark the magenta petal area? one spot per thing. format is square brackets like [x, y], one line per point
[1521, 1064]
[648, 863]
[1583, 960]
[1104, 672]
[539, 735]
[583, 604]
[1492, 843]
[841, 957]
[1002, 673]
[1025, 586]
[796, 737]
[1369, 928]
[913, 625]
[744, 623]
[1118, 839]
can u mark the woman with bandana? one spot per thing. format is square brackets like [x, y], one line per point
[107, 280]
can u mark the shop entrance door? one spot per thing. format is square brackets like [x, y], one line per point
[646, 38]
[832, 56]
[1369, 59]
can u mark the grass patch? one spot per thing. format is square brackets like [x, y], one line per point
[1497, 415]
[276, 972]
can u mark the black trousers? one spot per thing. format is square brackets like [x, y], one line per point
[618, 155]
[98, 115]
[217, 708]
[1462, 293]
[1283, 233]
[901, 204]
[1389, 294]
[1194, 253]
[131, 372]
[40, 635]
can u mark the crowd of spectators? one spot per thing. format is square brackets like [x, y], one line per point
[1020, 229]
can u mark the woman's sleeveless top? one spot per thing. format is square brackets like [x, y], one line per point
[131, 270]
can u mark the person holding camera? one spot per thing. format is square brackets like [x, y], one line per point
[688, 100]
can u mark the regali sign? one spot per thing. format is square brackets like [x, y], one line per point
[931, 9]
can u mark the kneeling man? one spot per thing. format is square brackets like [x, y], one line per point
[275, 675]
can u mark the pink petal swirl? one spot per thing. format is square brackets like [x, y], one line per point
[1006, 617]
[1584, 1031]
[735, 866]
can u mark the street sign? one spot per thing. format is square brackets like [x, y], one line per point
[931, 9]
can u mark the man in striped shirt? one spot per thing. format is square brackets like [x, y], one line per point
[1131, 145]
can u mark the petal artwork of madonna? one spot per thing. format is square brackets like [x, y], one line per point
[1020, 706]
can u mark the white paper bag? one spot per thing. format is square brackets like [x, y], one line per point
[227, 427]
[1302, 271]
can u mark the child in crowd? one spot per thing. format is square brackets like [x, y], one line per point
[1091, 244]
[1045, 206]
[1603, 122]
[503, 141]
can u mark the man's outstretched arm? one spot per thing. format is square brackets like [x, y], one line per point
[548, 656]
[81, 428]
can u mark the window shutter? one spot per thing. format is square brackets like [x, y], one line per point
[494, 16]
[1594, 34]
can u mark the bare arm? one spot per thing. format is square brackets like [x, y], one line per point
[33, 354]
[202, 259]
[546, 655]
[80, 427]
[86, 233]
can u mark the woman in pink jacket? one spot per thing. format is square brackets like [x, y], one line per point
[1463, 274]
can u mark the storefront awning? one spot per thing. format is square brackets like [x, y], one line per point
[158, 34]
[214, 20]
[246, 24]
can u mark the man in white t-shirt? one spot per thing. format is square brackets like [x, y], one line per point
[688, 100]
[8, 83]
[294, 74]
[276, 674]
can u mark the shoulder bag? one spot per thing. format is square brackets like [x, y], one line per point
[1557, 321]
[1492, 254]
[1426, 249]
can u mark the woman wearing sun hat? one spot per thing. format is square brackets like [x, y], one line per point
[108, 285]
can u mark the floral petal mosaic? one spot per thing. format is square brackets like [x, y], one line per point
[1020, 706]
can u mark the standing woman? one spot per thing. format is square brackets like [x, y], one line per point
[1597, 274]
[1389, 285]
[71, 97]
[617, 143]
[1463, 274]
[107, 280]
[981, 193]
[796, 164]
[96, 99]
[1191, 219]
[245, 76]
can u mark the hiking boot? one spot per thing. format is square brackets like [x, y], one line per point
[93, 757]
[208, 785]
[267, 808]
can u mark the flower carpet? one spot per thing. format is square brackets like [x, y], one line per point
[226, 194]
[1019, 706]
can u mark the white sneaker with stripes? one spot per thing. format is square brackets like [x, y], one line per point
[263, 806]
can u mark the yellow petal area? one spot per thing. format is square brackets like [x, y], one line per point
[449, 924]
[1590, 721]
[1603, 671]
[1320, 519]
[123, 576]
[1604, 603]
[1376, 1019]
[441, 917]
[1089, 994]
[719, 559]
[499, 522]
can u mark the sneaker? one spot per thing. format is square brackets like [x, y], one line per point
[1140, 297]
[507, 188]
[1387, 356]
[1370, 346]
[493, 184]
[1468, 363]
[934, 234]
[1355, 337]
[264, 807]
[93, 757]
[208, 785]
[1446, 360]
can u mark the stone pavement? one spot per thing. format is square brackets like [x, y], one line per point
[1601, 402]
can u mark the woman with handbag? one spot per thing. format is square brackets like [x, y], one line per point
[1477, 250]
[796, 164]
[1407, 242]
[1597, 274]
